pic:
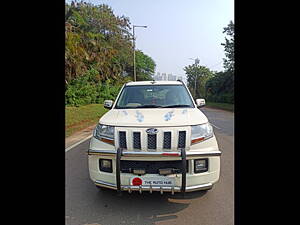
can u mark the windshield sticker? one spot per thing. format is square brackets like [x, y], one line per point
[169, 115]
[184, 111]
[125, 112]
[139, 116]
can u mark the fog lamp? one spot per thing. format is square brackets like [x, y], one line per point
[165, 171]
[106, 165]
[139, 171]
[200, 165]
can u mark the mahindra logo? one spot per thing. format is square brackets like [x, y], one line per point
[152, 131]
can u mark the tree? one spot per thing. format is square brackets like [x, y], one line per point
[198, 75]
[145, 66]
[220, 88]
[229, 47]
[98, 54]
[96, 38]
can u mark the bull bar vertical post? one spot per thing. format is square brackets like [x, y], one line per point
[118, 170]
[183, 175]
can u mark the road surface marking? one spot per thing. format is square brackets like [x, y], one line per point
[215, 126]
[72, 146]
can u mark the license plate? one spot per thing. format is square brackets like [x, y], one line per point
[156, 181]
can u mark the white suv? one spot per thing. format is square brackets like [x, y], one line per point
[154, 138]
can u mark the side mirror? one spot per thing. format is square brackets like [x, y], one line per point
[200, 102]
[108, 104]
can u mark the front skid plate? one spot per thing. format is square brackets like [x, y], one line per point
[154, 188]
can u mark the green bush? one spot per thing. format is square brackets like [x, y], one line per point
[222, 98]
[87, 89]
[220, 88]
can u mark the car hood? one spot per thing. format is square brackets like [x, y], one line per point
[153, 117]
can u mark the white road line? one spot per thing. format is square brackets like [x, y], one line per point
[72, 146]
[215, 126]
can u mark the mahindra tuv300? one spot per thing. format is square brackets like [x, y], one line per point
[154, 138]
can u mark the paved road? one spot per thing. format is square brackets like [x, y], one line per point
[222, 121]
[85, 205]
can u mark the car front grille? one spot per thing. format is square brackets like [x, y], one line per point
[131, 139]
[152, 167]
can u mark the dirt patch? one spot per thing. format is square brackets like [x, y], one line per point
[79, 124]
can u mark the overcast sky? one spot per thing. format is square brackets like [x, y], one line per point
[178, 30]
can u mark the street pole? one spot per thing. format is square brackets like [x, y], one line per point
[197, 61]
[195, 85]
[134, 71]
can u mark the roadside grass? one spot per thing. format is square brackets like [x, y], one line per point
[78, 118]
[217, 105]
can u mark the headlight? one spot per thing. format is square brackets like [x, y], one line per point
[104, 133]
[201, 133]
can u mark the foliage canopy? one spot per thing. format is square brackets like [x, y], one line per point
[215, 86]
[197, 76]
[98, 52]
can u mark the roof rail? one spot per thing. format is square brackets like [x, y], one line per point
[180, 81]
[128, 82]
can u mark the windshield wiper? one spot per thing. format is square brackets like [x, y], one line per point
[148, 106]
[177, 106]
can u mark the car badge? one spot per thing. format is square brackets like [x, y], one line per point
[151, 131]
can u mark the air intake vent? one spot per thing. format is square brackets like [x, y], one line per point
[167, 140]
[122, 139]
[152, 167]
[136, 140]
[181, 139]
[151, 141]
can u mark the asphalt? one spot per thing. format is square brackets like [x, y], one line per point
[86, 205]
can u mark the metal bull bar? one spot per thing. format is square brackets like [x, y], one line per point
[118, 172]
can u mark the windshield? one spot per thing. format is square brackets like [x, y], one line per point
[154, 96]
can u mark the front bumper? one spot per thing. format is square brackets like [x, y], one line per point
[185, 182]
[154, 154]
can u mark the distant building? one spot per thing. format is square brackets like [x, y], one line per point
[171, 77]
[157, 77]
[163, 76]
